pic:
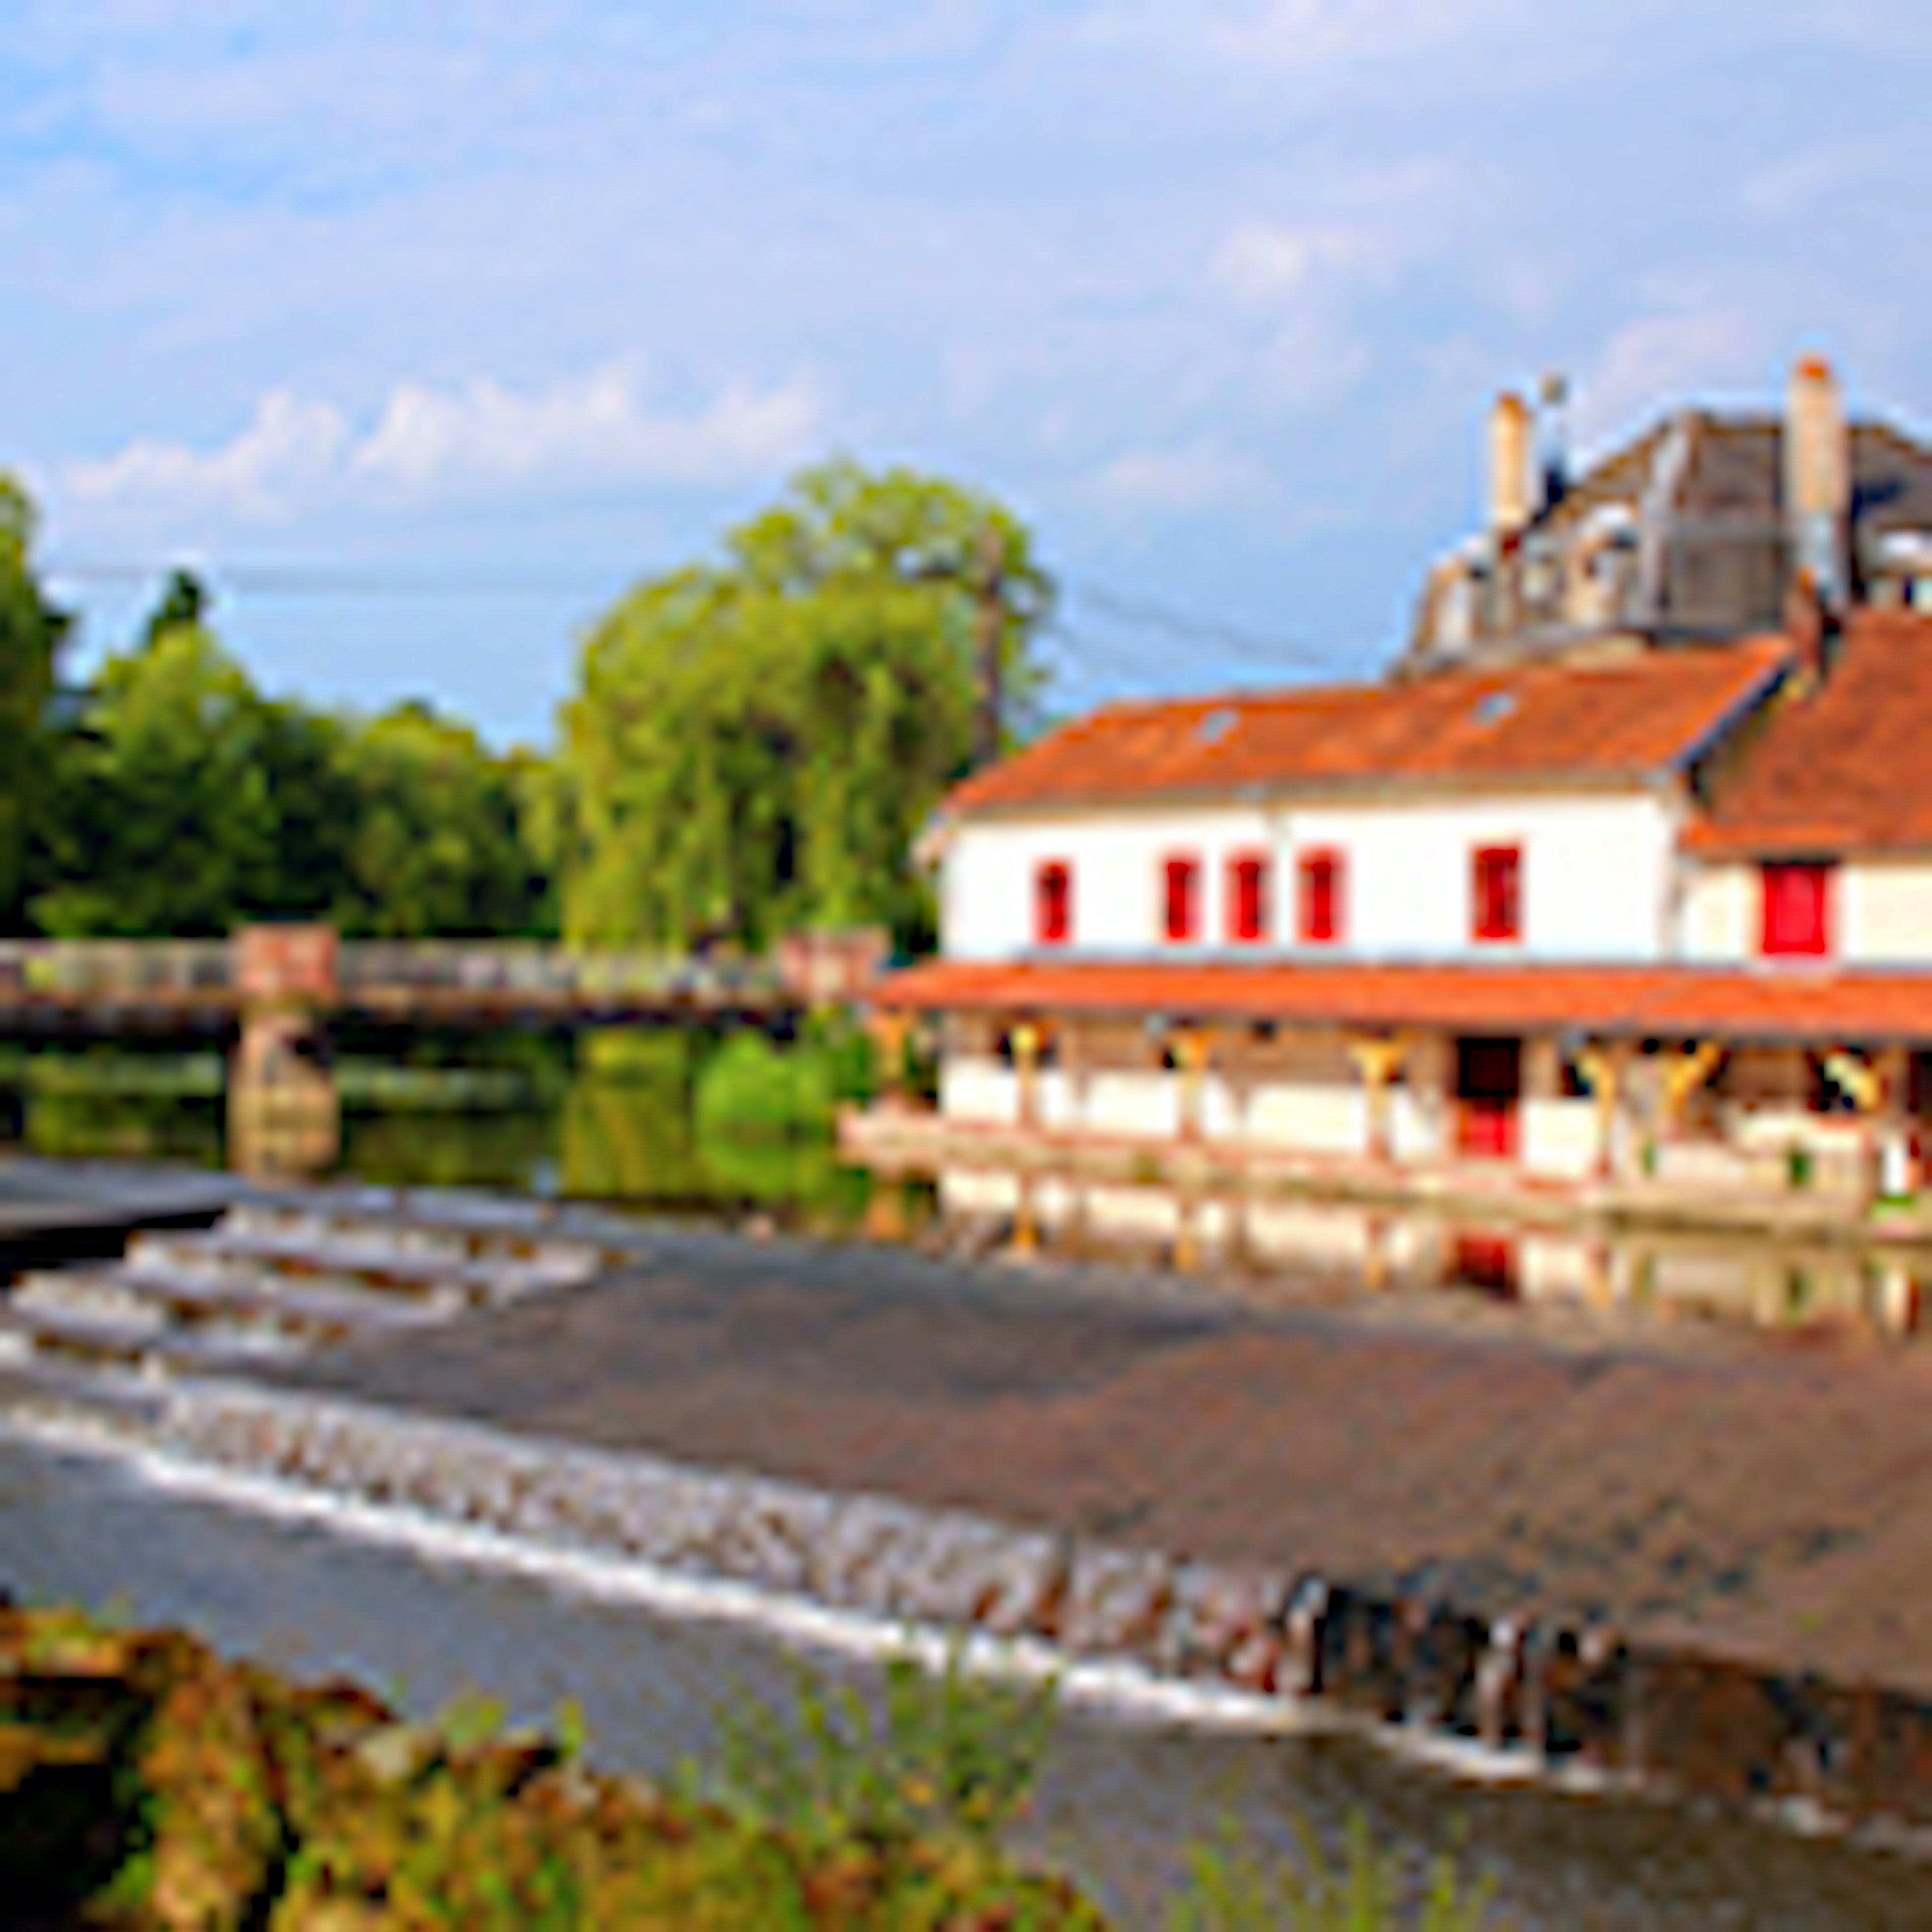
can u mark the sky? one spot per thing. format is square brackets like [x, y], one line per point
[422, 330]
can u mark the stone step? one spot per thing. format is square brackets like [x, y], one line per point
[92, 1342]
[319, 1314]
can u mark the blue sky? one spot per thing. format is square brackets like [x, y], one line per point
[464, 316]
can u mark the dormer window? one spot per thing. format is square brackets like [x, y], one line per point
[1053, 903]
[1181, 902]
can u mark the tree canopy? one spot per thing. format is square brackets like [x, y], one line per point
[31, 632]
[187, 802]
[757, 741]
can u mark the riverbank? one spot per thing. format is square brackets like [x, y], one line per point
[145, 1782]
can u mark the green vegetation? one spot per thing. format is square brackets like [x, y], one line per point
[757, 741]
[753, 745]
[31, 633]
[147, 1785]
[184, 802]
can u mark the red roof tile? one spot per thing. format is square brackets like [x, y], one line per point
[1845, 768]
[1782, 1002]
[1518, 724]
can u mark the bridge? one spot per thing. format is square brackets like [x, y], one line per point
[89, 986]
[275, 990]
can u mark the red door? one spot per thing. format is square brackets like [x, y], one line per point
[1488, 1129]
[1488, 1087]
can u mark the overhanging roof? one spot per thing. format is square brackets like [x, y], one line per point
[1797, 1004]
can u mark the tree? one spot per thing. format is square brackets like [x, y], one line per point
[187, 801]
[757, 741]
[437, 847]
[31, 632]
[182, 605]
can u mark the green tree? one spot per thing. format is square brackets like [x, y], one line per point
[182, 606]
[437, 847]
[757, 741]
[187, 801]
[31, 632]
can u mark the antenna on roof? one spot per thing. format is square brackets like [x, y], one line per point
[1553, 455]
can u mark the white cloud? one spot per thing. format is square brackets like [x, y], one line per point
[1659, 359]
[426, 442]
[1299, 34]
[1190, 477]
[1265, 262]
[289, 448]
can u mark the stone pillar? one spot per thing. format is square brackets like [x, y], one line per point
[1683, 1072]
[284, 1116]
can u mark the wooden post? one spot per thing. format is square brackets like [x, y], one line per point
[1025, 1040]
[1602, 1068]
[1683, 1075]
[889, 1029]
[1379, 1059]
[1192, 1047]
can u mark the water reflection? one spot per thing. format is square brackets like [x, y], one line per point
[1249, 1240]
[624, 1126]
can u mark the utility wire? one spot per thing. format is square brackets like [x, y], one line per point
[326, 581]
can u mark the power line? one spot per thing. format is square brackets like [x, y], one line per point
[327, 580]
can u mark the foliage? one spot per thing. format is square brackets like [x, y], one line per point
[756, 741]
[1233, 1888]
[149, 1784]
[184, 802]
[31, 632]
[945, 1756]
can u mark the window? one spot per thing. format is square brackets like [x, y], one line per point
[1247, 899]
[1183, 906]
[1053, 903]
[1497, 892]
[1797, 909]
[1318, 913]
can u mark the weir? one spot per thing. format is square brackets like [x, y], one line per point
[1429, 1661]
[1454, 1683]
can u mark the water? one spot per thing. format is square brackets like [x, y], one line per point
[1120, 1805]
[1122, 1801]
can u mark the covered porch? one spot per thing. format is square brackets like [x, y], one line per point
[1623, 1089]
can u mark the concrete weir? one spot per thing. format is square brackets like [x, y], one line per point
[1524, 1697]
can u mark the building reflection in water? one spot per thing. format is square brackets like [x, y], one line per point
[1302, 1241]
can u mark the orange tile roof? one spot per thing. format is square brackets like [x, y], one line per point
[1782, 1002]
[1523, 723]
[1845, 768]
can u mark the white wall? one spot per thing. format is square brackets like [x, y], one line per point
[1118, 861]
[1597, 877]
[1881, 912]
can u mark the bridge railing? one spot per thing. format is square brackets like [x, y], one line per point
[535, 969]
[115, 969]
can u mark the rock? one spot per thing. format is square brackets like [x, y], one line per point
[397, 1754]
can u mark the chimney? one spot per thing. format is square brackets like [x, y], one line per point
[1509, 465]
[1553, 453]
[1817, 477]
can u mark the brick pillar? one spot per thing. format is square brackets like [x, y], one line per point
[284, 1115]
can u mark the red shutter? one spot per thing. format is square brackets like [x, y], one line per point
[1247, 899]
[1498, 893]
[1797, 909]
[1320, 921]
[1053, 904]
[1182, 876]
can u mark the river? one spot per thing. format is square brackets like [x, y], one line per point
[1124, 1797]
